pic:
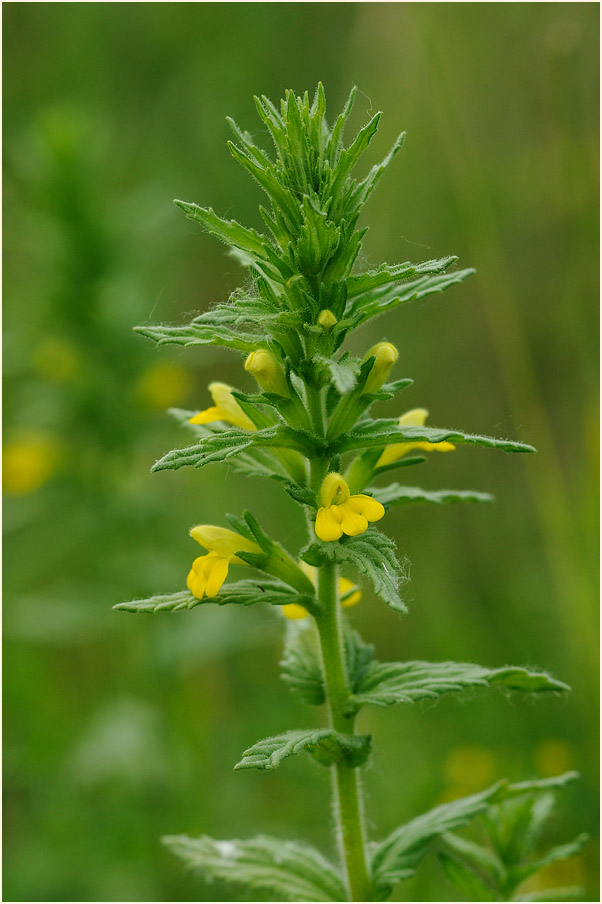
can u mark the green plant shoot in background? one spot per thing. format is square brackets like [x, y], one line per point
[308, 431]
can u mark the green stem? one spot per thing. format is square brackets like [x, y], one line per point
[347, 790]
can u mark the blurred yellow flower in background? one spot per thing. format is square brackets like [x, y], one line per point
[57, 360]
[349, 594]
[28, 462]
[163, 385]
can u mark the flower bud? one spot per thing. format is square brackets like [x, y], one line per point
[327, 320]
[268, 372]
[386, 355]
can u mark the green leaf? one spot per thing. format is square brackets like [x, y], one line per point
[343, 373]
[568, 893]
[325, 745]
[397, 857]
[373, 554]
[386, 683]
[358, 656]
[476, 859]
[285, 869]
[380, 301]
[366, 186]
[395, 494]
[465, 880]
[561, 852]
[300, 664]
[541, 784]
[386, 274]
[386, 431]
[189, 334]
[218, 446]
[242, 593]
[228, 231]
[301, 494]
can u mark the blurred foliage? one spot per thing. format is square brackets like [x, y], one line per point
[112, 110]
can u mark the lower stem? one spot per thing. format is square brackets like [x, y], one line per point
[348, 809]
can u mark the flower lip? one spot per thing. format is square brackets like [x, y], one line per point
[334, 489]
[225, 408]
[341, 513]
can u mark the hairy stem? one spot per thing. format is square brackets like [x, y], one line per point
[348, 805]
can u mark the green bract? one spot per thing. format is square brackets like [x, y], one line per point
[308, 419]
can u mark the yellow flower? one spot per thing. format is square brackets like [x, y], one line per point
[341, 513]
[385, 355]
[268, 372]
[163, 385]
[349, 594]
[28, 462]
[209, 572]
[414, 418]
[225, 408]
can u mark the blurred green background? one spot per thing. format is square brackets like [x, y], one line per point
[120, 728]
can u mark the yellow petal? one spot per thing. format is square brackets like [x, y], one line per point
[217, 574]
[347, 597]
[334, 489]
[294, 611]
[370, 508]
[353, 523]
[221, 394]
[414, 418]
[208, 416]
[328, 523]
[197, 579]
[222, 541]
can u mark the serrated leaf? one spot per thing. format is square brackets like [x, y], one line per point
[386, 274]
[387, 683]
[325, 745]
[397, 857]
[300, 663]
[218, 446]
[199, 334]
[242, 593]
[386, 431]
[290, 871]
[395, 494]
[228, 231]
[373, 554]
[379, 301]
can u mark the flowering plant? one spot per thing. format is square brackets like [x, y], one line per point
[310, 430]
